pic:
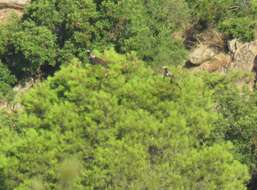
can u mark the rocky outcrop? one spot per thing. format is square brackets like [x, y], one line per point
[8, 7]
[241, 56]
[238, 56]
[220, 62]
[244, 55]
[201, 54]
[13, 4]
[209, 58]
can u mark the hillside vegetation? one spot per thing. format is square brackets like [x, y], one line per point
[86, 104]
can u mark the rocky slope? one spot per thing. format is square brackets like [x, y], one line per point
[8, 7]
[13, 4]
[214, 54]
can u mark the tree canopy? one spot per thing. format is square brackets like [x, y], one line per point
[129, 129]
[66, 123]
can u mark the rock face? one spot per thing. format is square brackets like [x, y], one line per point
[201, 54]
[237, 56]
[241, 56]
[24, 2]
[15, 4]
[209, 58]
[220, 62]
[19, 2]
[244, 56]
[8, 7]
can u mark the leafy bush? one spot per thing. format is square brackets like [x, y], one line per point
[238, 122]
[7, 81]
[53, 32]
[211, 11]
[231, 16]
[124, 126]
[236, 28]
[150, 27]
[6, 76]
[127, 126]
[29, 48]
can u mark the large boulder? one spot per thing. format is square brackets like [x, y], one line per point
[13, 3]
[201, 54]
[220, 62]
[235, 55]
[8, 7]
[243, 55]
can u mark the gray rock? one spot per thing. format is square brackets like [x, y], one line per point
[201, 54]
[13, 4]
[220, 62]
[244, 55]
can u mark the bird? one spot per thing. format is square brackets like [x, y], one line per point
[166, 72]
[95, 60]
[98, 61]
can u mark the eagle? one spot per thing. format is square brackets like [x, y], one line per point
[166, 72]
[94, 60]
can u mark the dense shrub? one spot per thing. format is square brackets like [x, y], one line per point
[238, 122]
[122, 128]
[235, 18]
[242, 28]
[53, 32]
[28, 49]
[7, 81]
